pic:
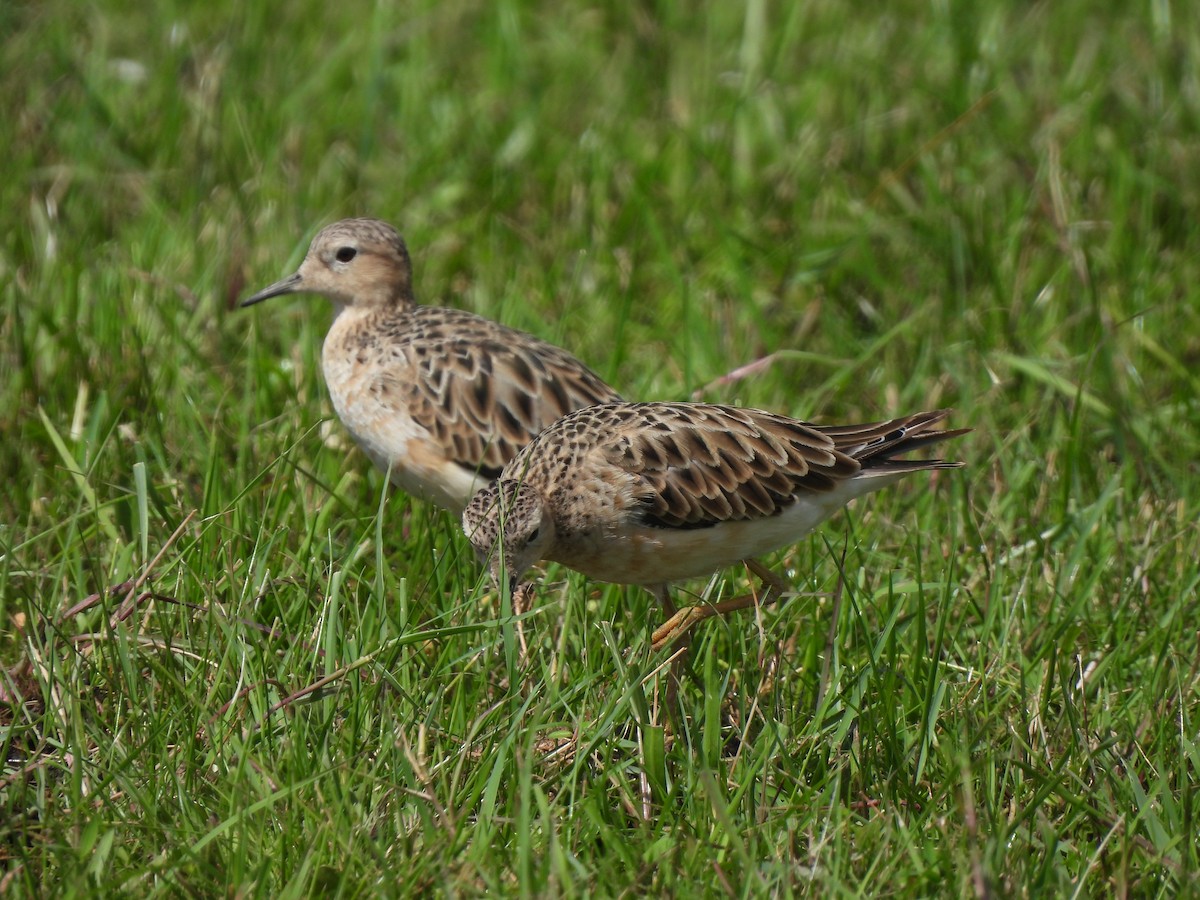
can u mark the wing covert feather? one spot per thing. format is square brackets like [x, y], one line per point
[700, 465]
[484, 391]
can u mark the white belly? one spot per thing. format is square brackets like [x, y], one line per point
[649, 556]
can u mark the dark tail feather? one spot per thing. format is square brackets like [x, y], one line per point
[874, 445]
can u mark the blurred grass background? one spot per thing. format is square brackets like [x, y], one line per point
[233, 665]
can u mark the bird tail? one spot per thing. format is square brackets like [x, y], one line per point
[875, 445]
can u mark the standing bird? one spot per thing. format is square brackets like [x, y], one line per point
[650, 493]
[441, 398]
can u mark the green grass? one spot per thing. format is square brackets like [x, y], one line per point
[231, 664]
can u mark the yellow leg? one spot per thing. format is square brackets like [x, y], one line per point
[679, 650]
[680, 622]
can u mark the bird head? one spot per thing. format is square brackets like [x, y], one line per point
[354, 262]
[510, 528]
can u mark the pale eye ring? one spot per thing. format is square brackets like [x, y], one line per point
[345, 254]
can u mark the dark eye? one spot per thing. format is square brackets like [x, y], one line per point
[533, 535]
[345, 254]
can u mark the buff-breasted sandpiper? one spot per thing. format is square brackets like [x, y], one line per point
[650, 493]
[441, 398]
